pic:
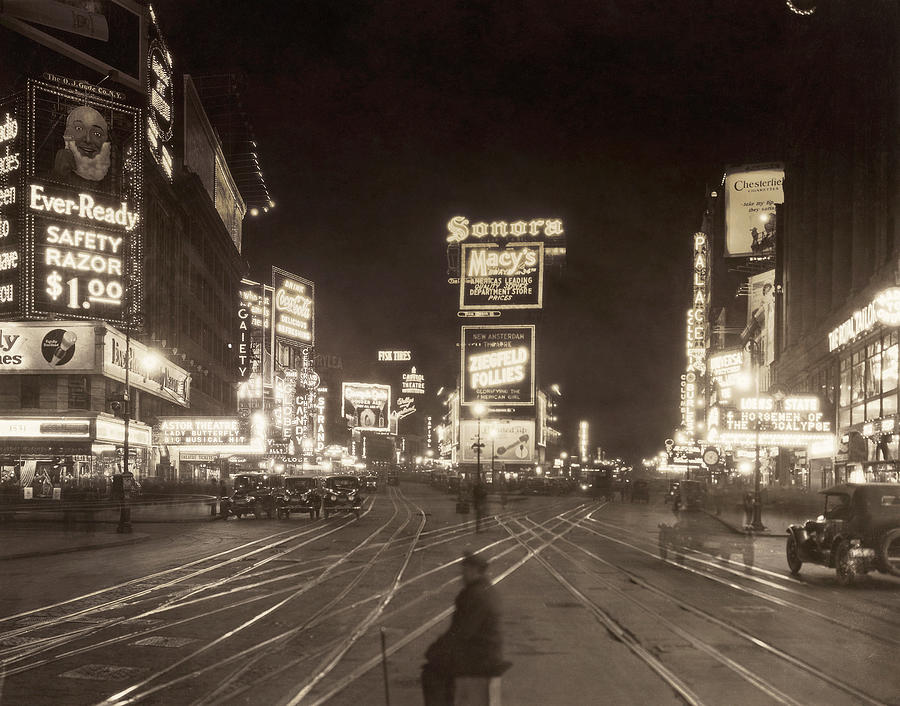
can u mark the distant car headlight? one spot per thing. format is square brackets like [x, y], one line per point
[332, 496]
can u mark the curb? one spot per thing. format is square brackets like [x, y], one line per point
[69, 550]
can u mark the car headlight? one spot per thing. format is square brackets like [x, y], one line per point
[332, 496]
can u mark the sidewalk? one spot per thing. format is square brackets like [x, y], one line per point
[20, 540]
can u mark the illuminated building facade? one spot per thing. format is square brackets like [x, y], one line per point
[140, 267]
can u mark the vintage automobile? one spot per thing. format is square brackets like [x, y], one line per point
[255, 493]
[342, 494]
[859, 530]
[371, 481]
[640, 491]
[299, 494]
[698, 532]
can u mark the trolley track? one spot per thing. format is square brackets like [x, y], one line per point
[752, 677]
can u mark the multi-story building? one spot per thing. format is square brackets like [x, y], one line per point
[836, 332]
[99, 369]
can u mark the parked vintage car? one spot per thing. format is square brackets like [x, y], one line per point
[255, 493]
[858, 530]
[640, 491]
[342, 494]
[299, 494]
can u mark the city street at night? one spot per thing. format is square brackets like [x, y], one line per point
[453, 353]
[224, 612]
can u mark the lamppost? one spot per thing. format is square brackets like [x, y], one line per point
[756, 521]
[479, 410]
[493, 434]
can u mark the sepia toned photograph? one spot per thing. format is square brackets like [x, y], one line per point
[449, 353]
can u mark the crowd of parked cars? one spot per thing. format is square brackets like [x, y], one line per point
[274, 495]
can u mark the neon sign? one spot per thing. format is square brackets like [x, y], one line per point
[498, 365]
[160, 123]
[884, 309]
[413, 383]
[459, 229]
[511, 277]
[293, 307]
[392, 356]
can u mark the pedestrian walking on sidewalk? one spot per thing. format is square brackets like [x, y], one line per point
[464, 664]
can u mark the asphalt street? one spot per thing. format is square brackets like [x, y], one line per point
[294, 611]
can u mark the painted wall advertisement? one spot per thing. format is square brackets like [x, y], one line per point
[293, 308]
[494, 277]
[751, 193]
[366, 406]
[497, 365]
[507, 440]
[47, 347]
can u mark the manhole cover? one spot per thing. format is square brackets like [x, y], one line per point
[162, 641]
[102, 672]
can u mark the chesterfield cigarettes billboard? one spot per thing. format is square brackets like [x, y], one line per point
[494, 277]
[366, 406]
[751, 193]
[293, 308]
[497, 365]
[512, 441]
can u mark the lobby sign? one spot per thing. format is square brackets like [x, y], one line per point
[293, 308]
[494, 277]
[513, 441]
[751, 193]
[366, 406]
[497, 365]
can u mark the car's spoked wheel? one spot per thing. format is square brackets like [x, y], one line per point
[793, 555]
[890, 552]
[844, 566]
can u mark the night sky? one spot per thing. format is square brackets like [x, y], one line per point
[376, 122]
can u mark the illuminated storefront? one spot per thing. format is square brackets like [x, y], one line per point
[44, 455]
[204, 449]
[867, 345]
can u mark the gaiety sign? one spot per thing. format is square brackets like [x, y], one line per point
[494, 277]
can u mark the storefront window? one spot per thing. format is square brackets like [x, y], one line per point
[873, 409]
[845, 383]
[857, 381]
[889, 368]
[873, 371]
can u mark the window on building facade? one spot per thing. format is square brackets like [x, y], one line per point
[868, 382]
[79, 392]
[30, 391]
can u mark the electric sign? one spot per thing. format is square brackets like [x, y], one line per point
[502, 278]
[497, 365]
[293, 304]
[366, 406]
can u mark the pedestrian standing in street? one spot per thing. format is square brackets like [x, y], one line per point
[464, 664]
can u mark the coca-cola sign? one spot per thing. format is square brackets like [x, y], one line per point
[294, 308]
